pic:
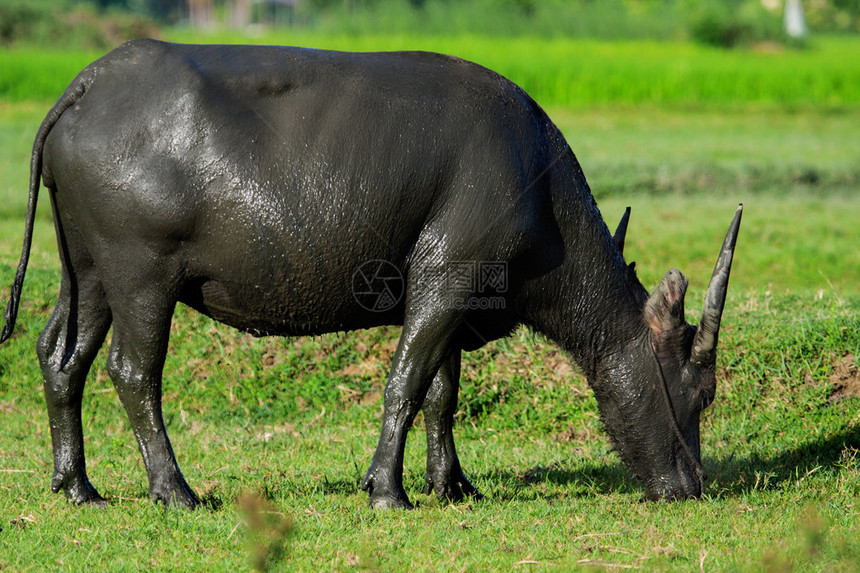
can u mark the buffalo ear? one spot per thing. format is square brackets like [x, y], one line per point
[664, 310]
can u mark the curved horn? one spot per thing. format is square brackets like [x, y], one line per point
[705, 343]
[621, 231]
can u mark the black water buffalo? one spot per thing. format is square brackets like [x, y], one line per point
[288, 191]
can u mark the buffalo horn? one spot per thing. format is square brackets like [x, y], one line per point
[621, 231]
[705, 343]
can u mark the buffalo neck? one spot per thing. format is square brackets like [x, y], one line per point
[591, 304]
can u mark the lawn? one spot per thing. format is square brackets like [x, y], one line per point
[277, 433]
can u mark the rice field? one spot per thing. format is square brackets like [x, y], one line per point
[556, 72]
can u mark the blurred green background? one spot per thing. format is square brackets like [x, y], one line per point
[102, 23]
[671, 100]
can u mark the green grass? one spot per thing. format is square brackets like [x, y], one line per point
[277, 433]
[657, 150]
[28, 73]
[249, 415]
[556, 72]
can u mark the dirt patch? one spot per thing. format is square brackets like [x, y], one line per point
[559, 366]
[845, 379]
[366, 367]
[385, 350]
[374, 362]
[357, 396]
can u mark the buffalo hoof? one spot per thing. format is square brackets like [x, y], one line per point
[175, 494]
[389, 502]
[382, 498]
[78, 489]
[451, 489]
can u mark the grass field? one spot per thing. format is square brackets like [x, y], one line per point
[277, 433]
[556, 72]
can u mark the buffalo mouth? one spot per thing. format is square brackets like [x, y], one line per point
[672, 494]
[684, 483]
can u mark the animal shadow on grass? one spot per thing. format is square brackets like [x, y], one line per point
[591, 479]
[740, 476]
[321, 484]
[730, 476]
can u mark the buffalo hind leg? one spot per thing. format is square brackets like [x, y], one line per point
[422, 348]
[444, 474]
[66, 350]
[135, 363]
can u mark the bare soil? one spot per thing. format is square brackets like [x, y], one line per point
[845, 379]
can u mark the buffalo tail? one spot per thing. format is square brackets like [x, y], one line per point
[72, 94]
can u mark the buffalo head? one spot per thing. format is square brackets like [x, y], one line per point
[654, 392]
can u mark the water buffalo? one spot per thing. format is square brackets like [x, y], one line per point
[279, 190]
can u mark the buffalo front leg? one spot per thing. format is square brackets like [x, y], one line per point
[420, 352]
[66, 350]
[135, 363]
[444, 474]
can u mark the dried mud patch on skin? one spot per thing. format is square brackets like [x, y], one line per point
[845, 379]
